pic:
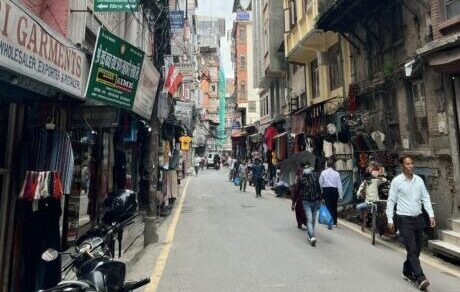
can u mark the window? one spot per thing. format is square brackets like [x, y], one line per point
[419, 130]
[315, 78]
[335, 67]
[252, 106]
[242, 33]
[306, 5]
[451, 8]
[243, 89]
[242, 62]
[292, 13]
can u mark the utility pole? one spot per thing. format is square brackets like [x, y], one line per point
[150, 228]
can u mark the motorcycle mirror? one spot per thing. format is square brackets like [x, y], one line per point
[50, 255]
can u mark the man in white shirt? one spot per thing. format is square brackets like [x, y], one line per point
[408, 191]
[331, 186]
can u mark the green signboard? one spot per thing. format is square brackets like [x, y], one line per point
[115, 71]
[116, 5]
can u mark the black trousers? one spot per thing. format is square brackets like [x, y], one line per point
[411, 229]
[331, 196]
[258, 184]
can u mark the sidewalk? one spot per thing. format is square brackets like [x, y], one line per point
[427, 257]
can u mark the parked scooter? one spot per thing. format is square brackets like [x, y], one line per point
[92, 261]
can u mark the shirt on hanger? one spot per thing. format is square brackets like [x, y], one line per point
[185, 143]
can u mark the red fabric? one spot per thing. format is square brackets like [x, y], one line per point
[270, 132]
[173, 80]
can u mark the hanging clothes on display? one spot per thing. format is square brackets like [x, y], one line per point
[47, 168]
[49, 150]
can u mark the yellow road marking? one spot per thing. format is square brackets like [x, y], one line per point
[428, 260]
[163, 257]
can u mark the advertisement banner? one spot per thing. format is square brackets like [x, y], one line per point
[28, 47]
[184, 112]
[147, 90]
[116, 5]
[176, 19]
[115, 71]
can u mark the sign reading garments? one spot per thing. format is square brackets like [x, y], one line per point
[29, 47]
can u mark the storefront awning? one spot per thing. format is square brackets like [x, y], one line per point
[446, 61]
[280, 135]
[240, 134]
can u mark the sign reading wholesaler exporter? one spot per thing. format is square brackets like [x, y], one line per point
[115, 71]
[116, 5]
[30, 48]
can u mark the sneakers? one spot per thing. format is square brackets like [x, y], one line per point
[423, 283]
[408, 278]
[313, 241]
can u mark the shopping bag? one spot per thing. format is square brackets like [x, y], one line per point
[324, 216]
[237, 181]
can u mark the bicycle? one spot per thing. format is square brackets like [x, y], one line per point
[377, 219]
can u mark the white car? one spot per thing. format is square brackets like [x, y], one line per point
[210, 159]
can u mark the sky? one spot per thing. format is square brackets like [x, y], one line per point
[220, 8]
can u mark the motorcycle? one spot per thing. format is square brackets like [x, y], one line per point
[94, 270]
[92, 261]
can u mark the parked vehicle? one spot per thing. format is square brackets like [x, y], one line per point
[212, 159]
[92, 262]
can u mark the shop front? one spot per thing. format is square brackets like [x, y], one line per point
[40, 89]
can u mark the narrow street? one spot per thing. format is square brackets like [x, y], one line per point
[226, 240]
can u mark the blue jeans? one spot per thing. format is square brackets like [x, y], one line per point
[311, 209]
[363, 206]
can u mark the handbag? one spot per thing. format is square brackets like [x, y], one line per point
[324, 216]
[237, 181]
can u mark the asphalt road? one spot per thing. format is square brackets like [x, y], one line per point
[227, 240]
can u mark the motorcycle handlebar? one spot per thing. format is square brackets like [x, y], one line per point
[135, 285]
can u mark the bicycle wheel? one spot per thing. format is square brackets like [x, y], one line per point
[374, 224]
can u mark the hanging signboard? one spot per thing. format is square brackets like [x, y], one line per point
[115, 71]
[184, 112]
[116, 5]
[147, 90]
[176, 19]
[29, 47]
[243, 16]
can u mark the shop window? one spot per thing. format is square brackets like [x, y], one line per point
[252, 106]
[419, 128]
[315, 78]
[451, 8]
[335, 67]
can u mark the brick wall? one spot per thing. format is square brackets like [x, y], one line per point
[54, 12]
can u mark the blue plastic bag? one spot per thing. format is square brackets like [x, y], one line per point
[237, 181]
[324, 216]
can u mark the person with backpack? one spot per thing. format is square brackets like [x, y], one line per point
[309, 190]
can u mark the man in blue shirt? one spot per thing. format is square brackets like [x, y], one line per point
[408, 191]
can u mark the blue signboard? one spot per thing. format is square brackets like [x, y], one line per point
[176, 19]
[243, 16]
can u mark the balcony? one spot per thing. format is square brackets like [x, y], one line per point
[304, 40]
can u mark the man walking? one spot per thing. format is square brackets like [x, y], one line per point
[310, 191]
[258, 176]
[197, 164]
[331, 186]
[243, 175]
[408, 191]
